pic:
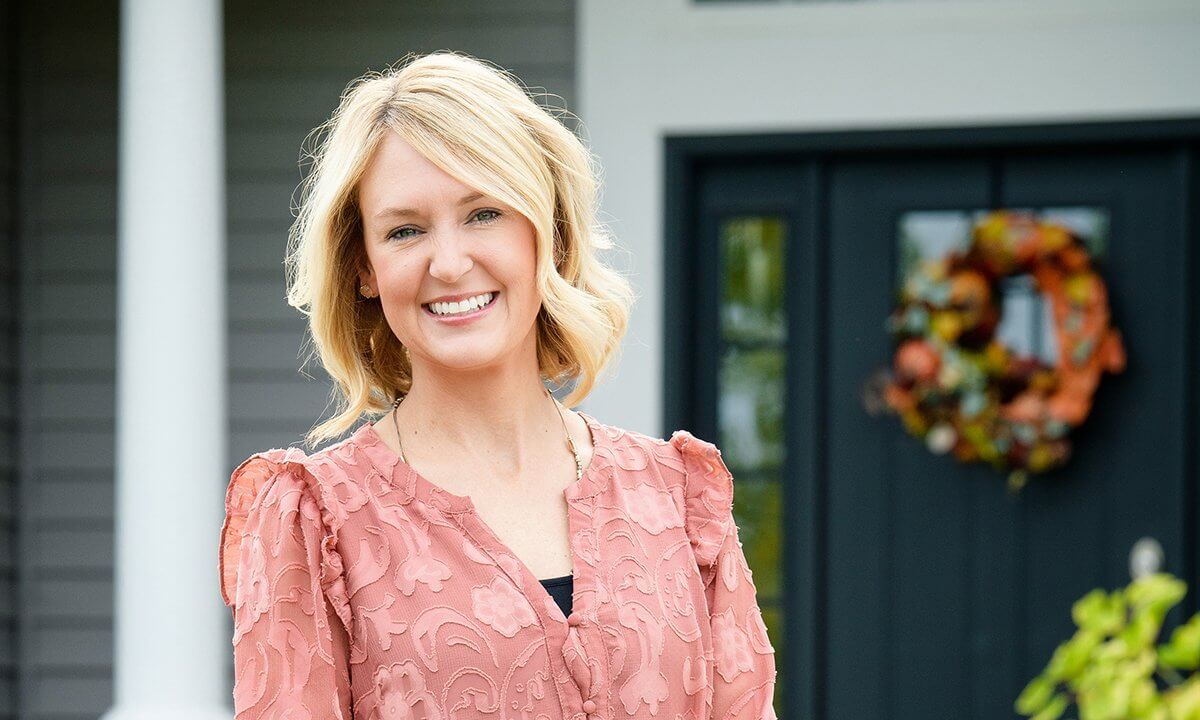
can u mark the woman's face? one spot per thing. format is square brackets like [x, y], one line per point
[431, 239]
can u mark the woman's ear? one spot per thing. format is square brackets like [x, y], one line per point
[366, 279]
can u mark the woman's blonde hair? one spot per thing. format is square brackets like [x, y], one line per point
[477, 123]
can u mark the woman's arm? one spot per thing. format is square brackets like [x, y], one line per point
[291, 648]
[743, 674]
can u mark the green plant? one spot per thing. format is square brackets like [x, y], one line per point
[1108, 667]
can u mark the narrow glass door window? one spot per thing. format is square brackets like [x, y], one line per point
[751, 391]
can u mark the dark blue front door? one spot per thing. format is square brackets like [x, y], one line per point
[898, 583]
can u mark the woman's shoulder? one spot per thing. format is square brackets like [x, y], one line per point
[346, 462]
[332, 465]
[254, 482]
[692, 470]
[682, 458]
[270, 491]
[320, 481]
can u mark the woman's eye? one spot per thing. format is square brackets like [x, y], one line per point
[482, 217]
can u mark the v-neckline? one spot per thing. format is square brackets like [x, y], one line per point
[417, 485]
[453, 502]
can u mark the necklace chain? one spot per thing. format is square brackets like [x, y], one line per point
[557, 406]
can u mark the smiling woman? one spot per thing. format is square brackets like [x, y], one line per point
[480, 551]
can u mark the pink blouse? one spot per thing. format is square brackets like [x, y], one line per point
[362, 590]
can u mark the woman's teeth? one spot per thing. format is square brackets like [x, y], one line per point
[463, 306]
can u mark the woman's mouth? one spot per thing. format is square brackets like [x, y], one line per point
[456, 313]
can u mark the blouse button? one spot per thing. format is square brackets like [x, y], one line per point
[589, 706]
[575, 621]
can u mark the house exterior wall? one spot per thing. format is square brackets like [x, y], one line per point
[66, 101]
[649, 70]
[9, 287]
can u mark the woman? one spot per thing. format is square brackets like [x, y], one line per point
[480, 551]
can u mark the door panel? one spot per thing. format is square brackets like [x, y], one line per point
[900, 568]
[959, 591]
[1127, 477]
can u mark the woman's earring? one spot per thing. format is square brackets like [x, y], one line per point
[365, 290]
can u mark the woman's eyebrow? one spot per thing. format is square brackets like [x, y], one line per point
[403, 212]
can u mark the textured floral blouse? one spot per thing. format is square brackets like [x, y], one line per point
[361, 590]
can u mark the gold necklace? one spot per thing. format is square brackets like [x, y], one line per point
[557, 406]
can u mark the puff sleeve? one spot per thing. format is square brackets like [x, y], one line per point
[280, 575]
[743, 663]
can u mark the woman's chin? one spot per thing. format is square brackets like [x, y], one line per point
[463, 356]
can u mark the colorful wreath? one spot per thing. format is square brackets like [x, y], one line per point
[956, 385]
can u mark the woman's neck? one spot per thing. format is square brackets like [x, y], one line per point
[502, 421]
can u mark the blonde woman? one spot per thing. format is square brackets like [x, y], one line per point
[479, 550]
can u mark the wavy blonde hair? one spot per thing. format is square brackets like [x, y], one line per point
[480, 125]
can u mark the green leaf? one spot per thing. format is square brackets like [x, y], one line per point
[1141, 631]
[1144, 701]
[1055, 709]
[1106, 698]
[1100, 612]
[1112, 651]
[1142, 666]
[1035, 695]
[1184, 700]
[1157, 593]
[1071, 657]
[1183, 650]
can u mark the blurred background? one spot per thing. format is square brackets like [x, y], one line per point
[773, 173]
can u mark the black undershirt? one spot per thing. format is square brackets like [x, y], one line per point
[561, 589]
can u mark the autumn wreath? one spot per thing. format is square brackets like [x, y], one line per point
[953, 383]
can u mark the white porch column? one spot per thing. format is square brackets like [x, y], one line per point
[171, 637]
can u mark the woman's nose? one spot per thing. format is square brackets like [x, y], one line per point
[451, 256]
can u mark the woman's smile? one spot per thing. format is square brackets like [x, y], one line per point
[447, 312]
